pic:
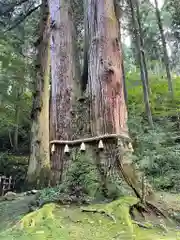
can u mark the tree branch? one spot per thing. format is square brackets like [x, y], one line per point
[2, 23]
[101, 211]
[11, 8]
[19, 21]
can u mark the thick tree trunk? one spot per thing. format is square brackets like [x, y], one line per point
[118, 16]
[166, 58]
[108, 112]
[132, 4]
[64, 80]
[39, 164]
[105, 84]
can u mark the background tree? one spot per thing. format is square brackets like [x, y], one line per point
[166, 59]
[173, 8]
[17, 73]
[141, 56]
[16, 63]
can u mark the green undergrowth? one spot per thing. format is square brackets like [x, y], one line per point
[99, 221]
[162, 105]
[157, 150]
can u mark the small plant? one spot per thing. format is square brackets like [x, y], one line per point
[81, 184]
[82, 176]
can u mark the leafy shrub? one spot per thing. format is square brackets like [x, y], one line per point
[82, 184]
[157, 151]
[82, 176]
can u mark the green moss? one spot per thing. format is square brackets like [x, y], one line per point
[161, 103]
[109, 221]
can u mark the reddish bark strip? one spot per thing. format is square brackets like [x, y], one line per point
[63, 76]
[108, 112]
[105, 83]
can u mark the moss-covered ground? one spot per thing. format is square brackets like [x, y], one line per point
[108, 221]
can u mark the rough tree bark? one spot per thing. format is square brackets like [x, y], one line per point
[64, 84]
[39, 164]
[105, 83]
[84, 78]
[118, 16]
[108, 112]
[166, 58]
[132, 4]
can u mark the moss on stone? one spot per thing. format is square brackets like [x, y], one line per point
[106, 221]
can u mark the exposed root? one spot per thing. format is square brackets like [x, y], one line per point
[148, 208]
[101, 212]
[148, 211]
[127, 179]
[143, 225]
[140, 208]
[156, 210]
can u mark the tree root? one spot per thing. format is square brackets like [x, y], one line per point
[151, 226]
[143, 225]
[101, 212]
[156, 210]
[149, 208]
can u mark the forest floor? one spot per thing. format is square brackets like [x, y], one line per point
[110, 221]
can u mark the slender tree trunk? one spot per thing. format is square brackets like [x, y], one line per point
[64, 80]
[50, 117]
[39, 164]
[10, 138]
[166, 58]
[141, 62]
[108, 112]
[19, 91]
[17, 113]
[142, 44]
[16, 130]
